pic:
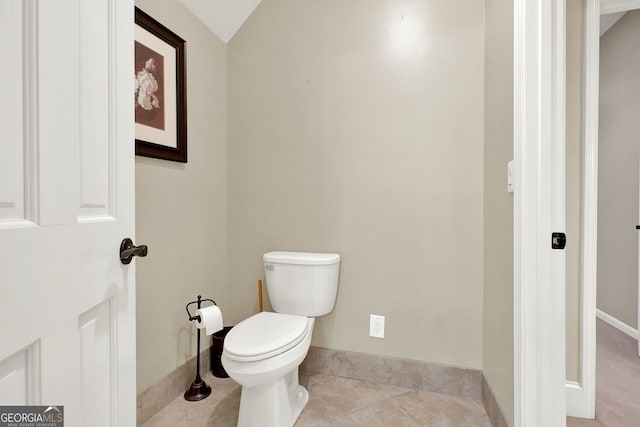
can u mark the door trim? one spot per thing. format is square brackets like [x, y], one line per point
[539, 210]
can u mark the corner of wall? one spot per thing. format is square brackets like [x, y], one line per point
[498, 350]
[181, 209]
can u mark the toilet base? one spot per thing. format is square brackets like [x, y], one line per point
[298, 402]
[276, 404]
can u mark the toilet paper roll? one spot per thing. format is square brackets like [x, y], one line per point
[210, 319]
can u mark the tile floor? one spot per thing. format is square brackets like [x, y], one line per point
[617, 380]
[333, 402]
[336, 401]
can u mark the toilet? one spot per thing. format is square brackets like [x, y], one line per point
[263, 353]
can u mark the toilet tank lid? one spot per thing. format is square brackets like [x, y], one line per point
[301, 258]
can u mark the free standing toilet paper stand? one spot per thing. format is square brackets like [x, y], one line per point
[199, 389]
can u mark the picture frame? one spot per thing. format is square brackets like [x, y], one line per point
[160, 91]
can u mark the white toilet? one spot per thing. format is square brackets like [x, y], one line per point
[262, 353]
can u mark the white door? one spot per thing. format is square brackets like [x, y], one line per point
[67, 305]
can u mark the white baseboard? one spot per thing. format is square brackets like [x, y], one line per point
[619, 325]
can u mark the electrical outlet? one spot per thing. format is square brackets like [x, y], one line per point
[376, 326]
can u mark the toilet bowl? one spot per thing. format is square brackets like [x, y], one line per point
[263, 353]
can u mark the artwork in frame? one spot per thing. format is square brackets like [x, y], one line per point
[160, 91]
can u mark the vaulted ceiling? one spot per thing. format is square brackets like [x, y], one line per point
[223, 17]
[607, 21]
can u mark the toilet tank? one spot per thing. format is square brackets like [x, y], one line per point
[302, 283]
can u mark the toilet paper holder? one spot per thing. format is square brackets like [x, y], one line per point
[199, 389]
[199, 301]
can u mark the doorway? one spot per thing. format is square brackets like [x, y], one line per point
[581, 397]
[618, 154]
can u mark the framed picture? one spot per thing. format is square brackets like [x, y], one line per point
[160, 91]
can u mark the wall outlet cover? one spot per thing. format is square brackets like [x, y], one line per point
[376, 326]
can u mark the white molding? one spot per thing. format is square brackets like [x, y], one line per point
[618, 324]
[21, 223]
[539, 209]
[613, 6]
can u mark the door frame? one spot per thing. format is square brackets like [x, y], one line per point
[581, 396]
[539, 210]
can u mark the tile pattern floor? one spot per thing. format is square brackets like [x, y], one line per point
[333, 402]
[617, 380]
[336, 401]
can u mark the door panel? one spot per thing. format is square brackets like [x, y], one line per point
[20, 377]
[58, 117]
[99, 364]
[12, 137]
[97, 133]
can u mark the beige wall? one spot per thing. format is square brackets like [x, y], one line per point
[618, 170]
[341, 141]
[181, 209]
[345, 137]
[498, 204]
[575, 82]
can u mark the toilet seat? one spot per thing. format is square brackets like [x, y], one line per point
[265, 335]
